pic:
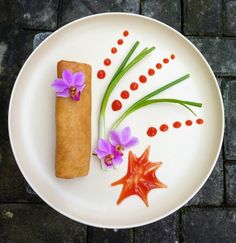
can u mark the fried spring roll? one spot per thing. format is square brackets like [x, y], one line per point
[73, 127]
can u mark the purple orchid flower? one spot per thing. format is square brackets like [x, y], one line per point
[70, 85]
[108, 154]
[122, 140]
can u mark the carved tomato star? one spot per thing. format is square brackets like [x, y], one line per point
[140, 178]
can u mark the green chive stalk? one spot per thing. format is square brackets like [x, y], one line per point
[149, 102]
[145, 100]
[121, 71]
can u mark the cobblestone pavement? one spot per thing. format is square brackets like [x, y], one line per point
[211, 215]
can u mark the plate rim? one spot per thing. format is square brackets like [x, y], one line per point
[117, 226]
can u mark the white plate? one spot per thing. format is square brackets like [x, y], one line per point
[188, 153]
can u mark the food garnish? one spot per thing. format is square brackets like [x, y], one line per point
[140, 178]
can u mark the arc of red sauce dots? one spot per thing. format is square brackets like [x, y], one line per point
[152, 131]
[143, 78]
[101, 74]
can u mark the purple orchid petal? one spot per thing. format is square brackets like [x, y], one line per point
[115, 138]
[59, 85]
[68, 77]
[101, 154]
[117, 161]
[65, 93]
[80, 88]
[104, 146]
[79, 79]
[77, 96]
[132, 141]
[125, 135]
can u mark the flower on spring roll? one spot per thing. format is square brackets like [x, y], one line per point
[107, 153]
[122, 140]
[70, 85]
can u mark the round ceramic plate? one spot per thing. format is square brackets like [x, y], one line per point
[188, 153]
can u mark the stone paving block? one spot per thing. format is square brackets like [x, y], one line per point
[4, 16]
[230, 113]
[23, 45]
[231, 184]
[74, 9]
[160, 231]
[166, 11]
[12, 183]
[109, 236]
[8, 71]
[220, 53]
[230, 18]
[38, 223]
[38, 38]
[202, 17]
[36, 14]
[212, 193]
[7, 50]
[15, 46]
[209, 225]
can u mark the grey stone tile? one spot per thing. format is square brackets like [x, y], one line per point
[5, 11]
[219, 52]
[212, 193]
[230, 18]
[230, 113]
[167, 11]
[38, 38]
[12, 183]
[202, 17]
[24, 45]
[36, 14]
[160, 231]
[109, 236]
[8, 71]
[37, 223]
[15, 47]
[74, 9]
[231, 184]
[209, 225]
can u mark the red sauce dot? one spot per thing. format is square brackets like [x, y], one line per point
[142, 79]
[116, 105]
[199, 121]
[189, 123]
[164, 127]
[113, 50]
[151, 71]
[134, 86]
[177, 124]
[152, 131]
[172, 56]
[101, 74]
[120, 42]
[126, 33]
[107, 62]
[158, 66]
[165, 60]
[124, 94]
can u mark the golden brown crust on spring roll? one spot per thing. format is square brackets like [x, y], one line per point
[73, 127]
